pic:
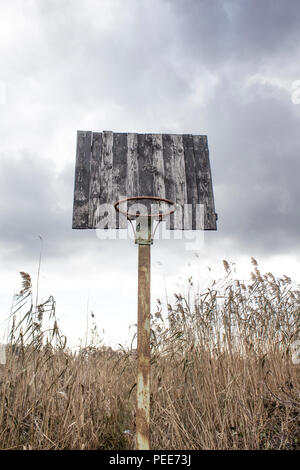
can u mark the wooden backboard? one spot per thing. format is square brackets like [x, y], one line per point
[112, 166]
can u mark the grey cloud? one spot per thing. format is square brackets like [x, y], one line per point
[256, 162]
[226, 31]
[144, 67]
[83, 66]
[35, 202]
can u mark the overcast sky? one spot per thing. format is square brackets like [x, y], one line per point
[224, 68]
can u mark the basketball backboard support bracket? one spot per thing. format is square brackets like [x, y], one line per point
[143, 231]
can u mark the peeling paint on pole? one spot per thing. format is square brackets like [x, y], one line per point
[143, 351]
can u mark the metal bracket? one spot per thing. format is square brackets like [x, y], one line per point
[143, 231]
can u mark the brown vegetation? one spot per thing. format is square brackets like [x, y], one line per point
[222, 375]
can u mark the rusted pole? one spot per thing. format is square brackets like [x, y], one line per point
[143, 346]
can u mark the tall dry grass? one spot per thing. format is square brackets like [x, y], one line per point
[222, 375]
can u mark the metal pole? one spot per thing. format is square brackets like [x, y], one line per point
[143, 339]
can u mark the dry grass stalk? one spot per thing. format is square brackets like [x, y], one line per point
[222, 375]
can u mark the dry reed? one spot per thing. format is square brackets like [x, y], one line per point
[222, 374]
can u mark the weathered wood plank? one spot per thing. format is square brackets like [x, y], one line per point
[158, 166]
[180, 179]
[145, 169]
[204, 181]
[95, 180]
[170, 187]
[119, 173]
[179, 169]
[132, 182]
[191, 183]
[211, 214]
[106, 176]
[145, 165]
[201, 177]
[82, 180]
[158, 170]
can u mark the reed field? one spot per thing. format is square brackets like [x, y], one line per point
[223, 374]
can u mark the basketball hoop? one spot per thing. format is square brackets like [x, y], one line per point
[139, 198]
[176, 165]
[145, 223]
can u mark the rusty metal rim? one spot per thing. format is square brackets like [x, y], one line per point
[137, 198]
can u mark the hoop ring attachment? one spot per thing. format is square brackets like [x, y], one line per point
[143, 233]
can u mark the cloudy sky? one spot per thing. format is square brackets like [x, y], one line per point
[225, 68]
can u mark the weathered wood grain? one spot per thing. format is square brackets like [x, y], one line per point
[106, 175]
[132, 181]
[191, 183]
[95, 180]
[119, 173]
[211, 214]
[169, 170]
[158, 166]
[111, 166]
[82, 180]
[145, 172]
[204, 181]
[145, 164]
[158, 171]
[180, 179]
